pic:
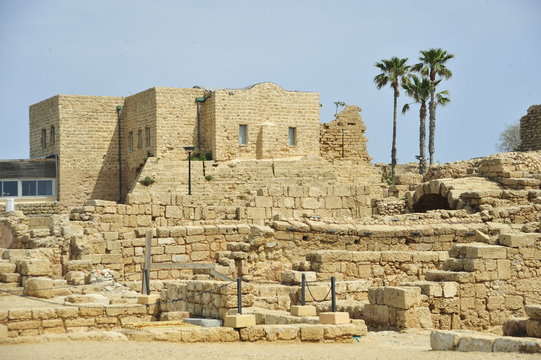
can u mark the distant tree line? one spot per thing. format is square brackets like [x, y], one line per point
[420, 82]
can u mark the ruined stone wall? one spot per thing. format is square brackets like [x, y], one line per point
[268, 111]
[344, 137]
[530, 129]
[86, 141]
[382, 267]
[338, 202]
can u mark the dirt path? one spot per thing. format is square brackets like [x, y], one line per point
[375, 346]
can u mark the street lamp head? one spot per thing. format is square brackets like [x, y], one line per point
[189, 148]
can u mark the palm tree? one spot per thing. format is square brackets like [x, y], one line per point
[420, 90]
[393, 71]
[339, 104]
[433, 66]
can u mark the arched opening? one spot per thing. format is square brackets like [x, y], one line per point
[431, 202]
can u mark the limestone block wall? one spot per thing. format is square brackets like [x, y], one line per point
[86, 141]
[67, 319]
[209, 299]
[268, 111]
[344, 137]
[138, 117]
[43, 116]
[530, 129]
[382, 267]
[176, 121]
[339, 201]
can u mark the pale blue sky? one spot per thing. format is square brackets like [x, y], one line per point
[118, 48]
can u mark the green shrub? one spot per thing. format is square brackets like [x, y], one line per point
[147, 181]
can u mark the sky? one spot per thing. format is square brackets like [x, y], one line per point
[121, 47]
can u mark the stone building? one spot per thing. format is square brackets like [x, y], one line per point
[530, 129]
[102, 143]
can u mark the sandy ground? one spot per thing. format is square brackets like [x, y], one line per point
[383, 345]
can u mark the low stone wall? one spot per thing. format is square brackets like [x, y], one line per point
[339, 202]
[381, 267]
[396, 308]
[466, 341]
[62, 319]
[205, 298]
[389, 206]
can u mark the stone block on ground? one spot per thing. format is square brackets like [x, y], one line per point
[442, 340]
[76, 278]
[239, 321]
[35, 267]
[515, 327]
[476, 342]
[334, 318]
[39, 287]
[533, 328]
[148, 299]
[533, 311]
[303, 310]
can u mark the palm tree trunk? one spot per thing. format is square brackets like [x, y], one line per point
[422, 138]
[393, 148]
[432, 126]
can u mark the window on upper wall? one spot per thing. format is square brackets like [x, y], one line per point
[43, 138]
[292, 136]
[243, 134]
[139, 138]
[147, 136]
[130, 141]
[53, 135]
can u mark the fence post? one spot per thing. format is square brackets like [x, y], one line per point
[303, 290]
[146, 270]
[333, 294]
[239, 296]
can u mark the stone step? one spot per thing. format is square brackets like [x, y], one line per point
[10, 277]
[7, 267]
[519, 240]
[478, 251]
[453, 276]
[446, 289]
[11, 288]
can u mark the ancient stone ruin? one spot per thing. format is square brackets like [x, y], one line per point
[283, 237]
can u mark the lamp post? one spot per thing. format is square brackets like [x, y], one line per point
[189, 149]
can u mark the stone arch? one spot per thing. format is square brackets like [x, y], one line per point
[431, 195]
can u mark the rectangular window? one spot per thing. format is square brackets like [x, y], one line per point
[147, 136]
[53, 135]
[140, 139]
[243, 134]
[29, 187]
[45, 187]
[130, 141]
[9, 188]
[292, 136]
[43, 138]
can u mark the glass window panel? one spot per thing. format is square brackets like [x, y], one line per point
[243, 134]
[29, 187]
[9, 188]
[45, 187]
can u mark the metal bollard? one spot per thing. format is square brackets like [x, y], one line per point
[303, 290]
[333, 294]
[239, 296]
[147, 280]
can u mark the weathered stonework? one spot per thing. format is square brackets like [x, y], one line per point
[530, 129]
